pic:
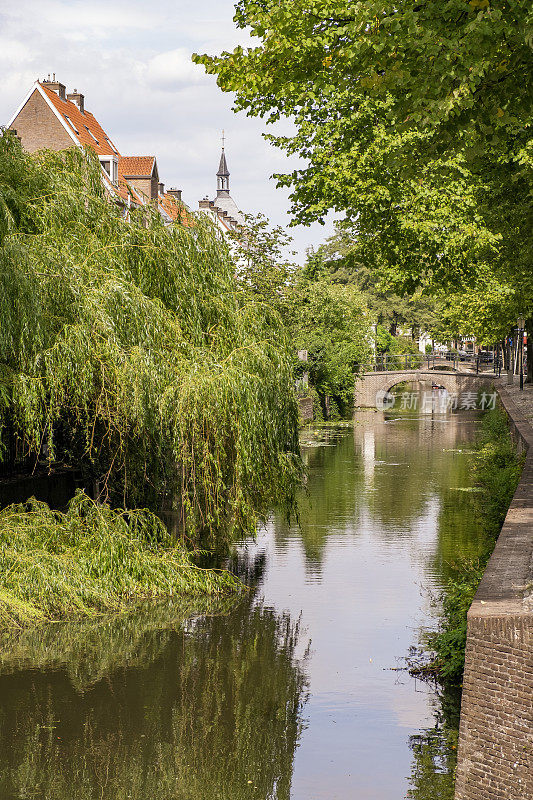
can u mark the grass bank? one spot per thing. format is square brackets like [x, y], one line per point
[89, 560]
[497, 467]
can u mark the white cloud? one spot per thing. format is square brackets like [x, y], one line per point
[173, 70]
[132, 60]
[14, 53]
[82, 20]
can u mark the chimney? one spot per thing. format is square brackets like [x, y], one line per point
[55, 86]
[176, 193]
[77, 98]
[204, 203]
[161, 187]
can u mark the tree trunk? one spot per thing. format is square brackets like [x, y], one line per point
[505, 352]
[529, 351]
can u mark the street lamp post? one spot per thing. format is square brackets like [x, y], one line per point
[521, 325]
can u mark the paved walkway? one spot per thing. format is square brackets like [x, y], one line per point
[523, 399]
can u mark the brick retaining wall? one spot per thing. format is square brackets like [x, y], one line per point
[495, 758]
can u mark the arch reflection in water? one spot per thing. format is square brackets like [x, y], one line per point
[149, 707]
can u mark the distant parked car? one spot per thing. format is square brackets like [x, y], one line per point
[454, 355]
[486, 357]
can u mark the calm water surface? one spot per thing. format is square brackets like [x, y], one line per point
[290, 693]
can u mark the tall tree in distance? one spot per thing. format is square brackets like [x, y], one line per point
[320, 315]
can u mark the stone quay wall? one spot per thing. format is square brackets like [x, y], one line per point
[305, 405]
[495, 753]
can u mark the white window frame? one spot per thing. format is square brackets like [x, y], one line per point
[113, 167]
[91, 134]
[68, 119]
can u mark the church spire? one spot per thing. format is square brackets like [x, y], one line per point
[223, 171]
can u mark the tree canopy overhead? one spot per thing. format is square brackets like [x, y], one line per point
[437, 60]
[414, 120]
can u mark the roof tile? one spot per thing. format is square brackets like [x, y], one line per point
[138, 166]
[84, 126]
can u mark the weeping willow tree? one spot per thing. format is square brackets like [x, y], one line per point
[127, 349]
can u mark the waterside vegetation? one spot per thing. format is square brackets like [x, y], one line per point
[89, 560]
[129, 352]
[497, 468]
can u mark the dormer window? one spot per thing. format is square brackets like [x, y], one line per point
[110, 166]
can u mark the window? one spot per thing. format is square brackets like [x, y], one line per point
[110, 165]
[91, 134]
[113, 148]
[68, 119]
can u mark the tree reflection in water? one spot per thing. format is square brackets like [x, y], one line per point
[184, 702]
[151, 707]
[435, 751]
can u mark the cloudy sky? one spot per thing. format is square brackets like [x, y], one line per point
[131, 59]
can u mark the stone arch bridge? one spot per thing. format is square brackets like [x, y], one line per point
[455, 382]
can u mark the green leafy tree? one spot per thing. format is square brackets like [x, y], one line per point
[127, 348]
[263, 270]
[417, 312]
[414, 123]
[377, 79]
[323, 317]
[330, 321]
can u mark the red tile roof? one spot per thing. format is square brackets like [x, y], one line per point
[89, 132]
[84, 126]
[175, 209]
[136, 166]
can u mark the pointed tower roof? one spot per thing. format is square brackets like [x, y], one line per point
[223, 207]
[223, 171]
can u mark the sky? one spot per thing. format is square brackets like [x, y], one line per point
[132, 61]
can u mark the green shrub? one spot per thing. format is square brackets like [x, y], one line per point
[449, 642]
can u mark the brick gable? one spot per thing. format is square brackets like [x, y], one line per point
[39, 128]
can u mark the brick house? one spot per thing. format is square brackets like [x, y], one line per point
[50, 118]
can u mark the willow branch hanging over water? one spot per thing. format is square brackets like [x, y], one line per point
[90, 560]
[126, 347]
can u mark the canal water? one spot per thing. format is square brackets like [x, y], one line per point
[295, 692]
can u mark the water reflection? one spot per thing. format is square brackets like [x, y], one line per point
[435, 751]
[154, 708]
[383, 518]
[227, 700]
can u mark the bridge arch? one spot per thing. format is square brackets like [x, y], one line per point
[371, 383]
